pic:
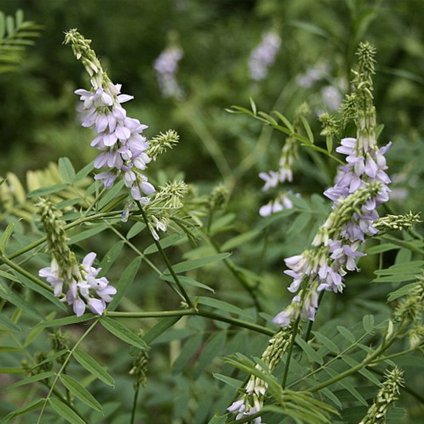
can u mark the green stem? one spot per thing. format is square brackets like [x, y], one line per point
[403, 243]
[195, 312]
[290, 352]
[369, 359]
[311, 323]
[182, 291]
[65, 362]
[134, 405]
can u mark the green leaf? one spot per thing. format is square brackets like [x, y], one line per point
[31, 379]
[64, 411]
[232, 382]
[188, 281]
[218, 419]
[122, 332]
[82, 235]
[111, 256]
[198, 263]
[137, 228]
[190, 348]
[160, 328]
[223, 306]
[239, 240]
[403, 291]
[212, 348]
[91, 365]
[8, 324]
[35, 404]
[110, 195]
[80, 392]
[6, 236]
[368, 323]
[330, 345]
[284, 120]
[59, 322]
[308, 130]
[347, 334]
[380, 248]
[252, 106]
[66, 170]
[172, 240]
[47, 190]
[310, 352]
[124, 282]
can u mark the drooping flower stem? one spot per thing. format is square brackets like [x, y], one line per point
[181, 290]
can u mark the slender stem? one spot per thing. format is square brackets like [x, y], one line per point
[196, 312]
[181, 289]
[290, 352]
[311, 323]
[134, 405]
[403, 243]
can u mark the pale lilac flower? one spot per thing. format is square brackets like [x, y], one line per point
[312, 75]
[263, 56]
[119, 138]
[166, 67]
[331, 97]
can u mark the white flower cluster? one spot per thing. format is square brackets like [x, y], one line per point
[119, 138]
[84, 289]
[263, 56]
[166, 67]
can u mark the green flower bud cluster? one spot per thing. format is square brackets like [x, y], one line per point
[162, 142]
[387, 395]
[57, 240]
[219, 197]
[397, 222]
[139, 368]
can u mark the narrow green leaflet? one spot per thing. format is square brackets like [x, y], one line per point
[47, 190]
[347, 334]
[198, 263]
[172, 240]
[66, 170]
[124, 282]
[222, 419]
[239, 240]
[35, 404]
[91, 365]
[31, 379]
[381, 248]
[232, 382]
[223, 306]
[110, 195]
[111, 256]
[213, 348]
[160, 328]
[80, 392]
[6, 236]
[310, 352]
[188, 281]
[82, 235]
[65, 411]
[7, 324]
[66, 321]
[403, 291]
[123, 333]
[368, 323]
[137, 228]
[191, 346]
[330, 345]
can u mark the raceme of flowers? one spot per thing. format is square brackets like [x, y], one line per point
[119, 137]
[263, 56]
[84, 289]
[77, 284]
[166, 67]
[361, 186]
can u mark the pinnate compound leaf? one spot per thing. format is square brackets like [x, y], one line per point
[80, 392]
[91, 365]
[123, 333]
[65, 411]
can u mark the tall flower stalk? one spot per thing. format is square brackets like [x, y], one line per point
[119, 138]
[361, 186]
